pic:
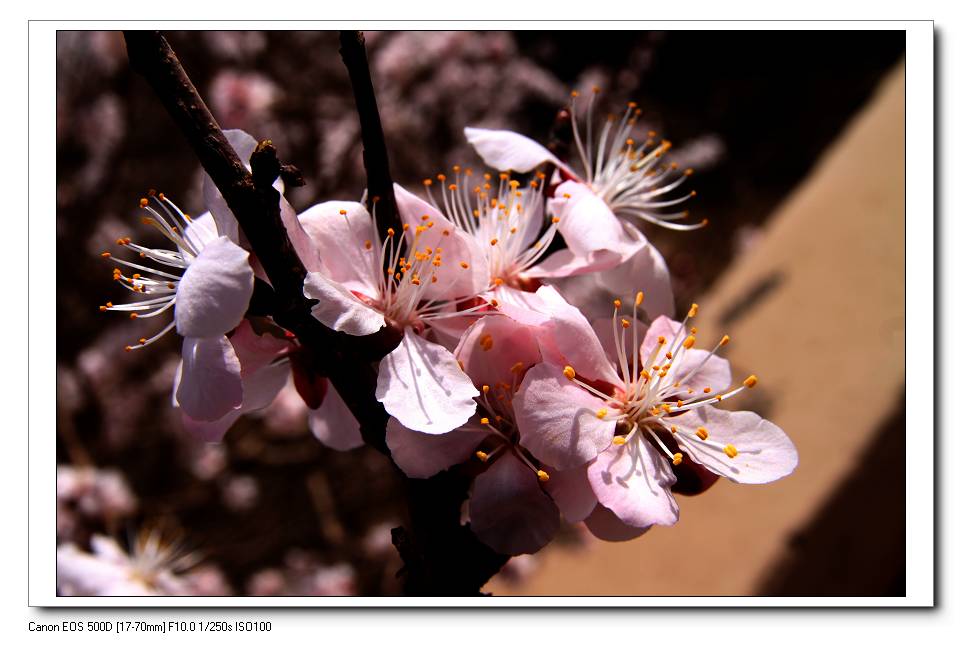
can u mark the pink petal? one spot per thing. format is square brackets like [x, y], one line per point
[421, 384]
[564, 263]
[80, 573]
[338, 309]
[333, 423]
[588, 224]
[256, 351]
[558, 420]
[765, 452]
[214, 292]
[689, 366]
[493, 346]
[306, 250]
[210, 431]
[572, 493]
[346, 243]
[574, 338]
[634, 482]
[421, 455]
[456, 247]
[604, 524]
[508, 509]
[210, 383]
[509, 151]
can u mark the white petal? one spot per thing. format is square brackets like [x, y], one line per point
[215, 291]
[508, 151]
[333, 423]
[210, 384]
[244, 145]
[421, 384]
[421, 455]
[338, 309]
[345, 242]
[634, 482]
[765, 452]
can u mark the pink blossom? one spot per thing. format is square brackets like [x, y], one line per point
[153, 568]
[509, 507]
[622, 418]
[366, 283]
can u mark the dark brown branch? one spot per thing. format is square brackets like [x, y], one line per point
[380, 187]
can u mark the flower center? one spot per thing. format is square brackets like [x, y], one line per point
[507, 221]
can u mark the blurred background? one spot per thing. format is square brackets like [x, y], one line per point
[797, 139]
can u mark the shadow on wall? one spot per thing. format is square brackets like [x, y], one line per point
[855, 546]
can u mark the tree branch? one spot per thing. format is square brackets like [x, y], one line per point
[380, 187]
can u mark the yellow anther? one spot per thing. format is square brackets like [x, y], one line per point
[464, 265]
[668, 354]
[625, 323]
[514, 230]
[693, 193]
[693, 310]
[343, 212]
[555, 220]
[415, 281]
[674, 429]
[617, 303]
[142, 340]
[619, 440]
[483, 457]
[751, 381]
[543, 476]
[390, 231]
[485, 421]
[646, 375]
[569, 372]
[724, 340]
[452, 187]
[731, 451]
[689, 171]
[494, 241]
[442, 177]
[567, 196]
[630, 141]
[128, 348]
[516, 367]
[639, 298]
[676, 459]
[428, 182]
[499, 281]
[485, 388]
[143, 203]
[133, 315]
[135, 276]
[575, 93]
[678, 404]
[103, 308]
[707, 389]
[601, 413]
[661, 340]
[702, 433]
[689, 342]
[514, 184]
[105, 254]
[494, 303]
[486, 342]
[367, 244]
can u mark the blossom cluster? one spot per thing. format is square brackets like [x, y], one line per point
[487, 281]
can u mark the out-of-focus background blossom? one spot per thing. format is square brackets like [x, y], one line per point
[271, 511]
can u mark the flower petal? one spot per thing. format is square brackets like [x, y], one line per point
[338, 309]
[421, 455]
[210, 383]
[244, 145]
[604, 524]
[492, 349]
[333, 423]
[588, 224]
[509, 151]
[421, 384]
[634, 482]
[214, 292]
[558, 420]
[572, 493]
[200, 231]
[509, 511]
[306, 250]
[210, 431]
[256, 351]
[454, 280]
[765, 452]
[346, 243]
